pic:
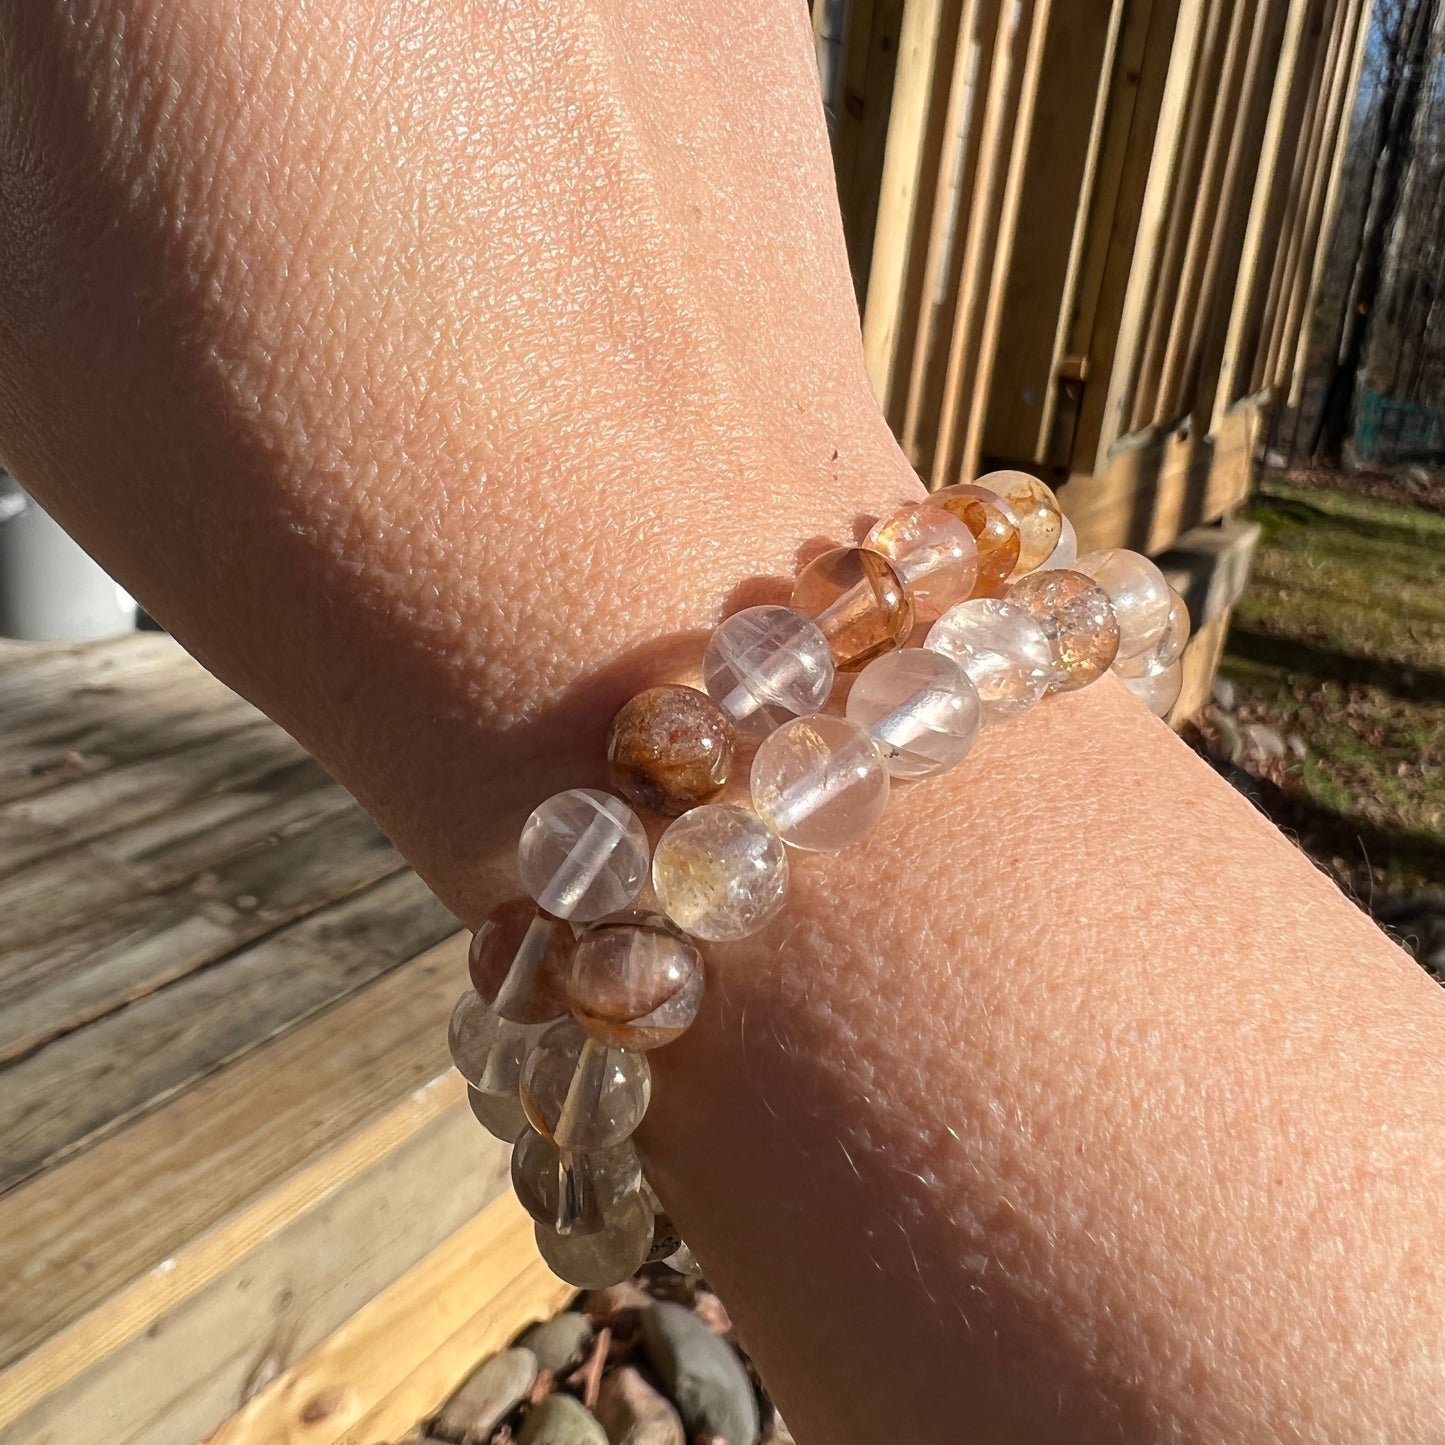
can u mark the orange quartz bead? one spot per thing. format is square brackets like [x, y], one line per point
[859, 603]
[995, 530]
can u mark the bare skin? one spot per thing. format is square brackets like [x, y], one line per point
[437, 375]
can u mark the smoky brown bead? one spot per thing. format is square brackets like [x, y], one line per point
[519, 961]
[670, 748]
[1078, 620]
[859, 602]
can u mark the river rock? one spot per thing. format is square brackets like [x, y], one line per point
[561, 1420]
[491, 1393]
[560, 1344]
[702, 1374]
[633, 1413]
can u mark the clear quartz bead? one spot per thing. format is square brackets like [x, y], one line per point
[582, 855]
[486, 1048]
[1075, 614]
[1168, 650]
[580, 1093]
[933, 552]
[519, 960]
[1004, 651]
[1158, 691]
[720, 872]
[499, 1114]
[1066, 550]
[605, 1256]
[767, 664]
[1036, 509]
[572, 1191]
[920, 708]
[1137, 592]
[637, 981]
[820, 783]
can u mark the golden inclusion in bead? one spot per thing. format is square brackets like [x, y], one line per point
[934, 553]
[637, 981]
[1077, 619]
[720, 872]
[858, 600]
[519, 960]
[670, 748]
[1036, 510]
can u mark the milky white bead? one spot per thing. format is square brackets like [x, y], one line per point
[1001, 647]
[582, 855]
[1137, 592]
[1066, 550]
[1168, 649]
[820, 783]
[1158, 691]
[720, 872]
[920, 708]
[767, 664]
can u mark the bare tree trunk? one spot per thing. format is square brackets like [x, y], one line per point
[1409, 45]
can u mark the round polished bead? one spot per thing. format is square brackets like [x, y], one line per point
[994, 527]
[820, 783]
[1066, 551]
[583, 1094]
[1004, 651]
[605, 1256]
[920, 708]
[933, 552]
[720, 872]
[670, 748]
[519, 960]
[1170, 647]
[1137, 592]
[1040, 519]
[582, 855]
[1077, 619]
[767, 664]
[637, 981]
[486, 1048]
[684, 1262]
[1158, 691]
[858, 601]
[572, 1191]
[499, 1114]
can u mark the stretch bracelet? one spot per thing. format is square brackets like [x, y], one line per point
[573, 984]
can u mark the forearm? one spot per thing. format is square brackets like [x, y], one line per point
[1076, 1099]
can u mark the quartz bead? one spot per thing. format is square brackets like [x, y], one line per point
[582, 855]
[767, 664]
[820, 783]
[920, 708]
[486, 1048]
[994, 527]
[605, 1256]
[1137, 592]
[720, 872]
[933, 552]
[1004, 651]
[1036, 509]
[858, 601]
[1066, 552]
[670, 748]
[519, 960]
[1077, 619]
[580, 1093]
[637, 981]
[1158, 691]
[1169, 648]
[571, 1191]
[499, 1114]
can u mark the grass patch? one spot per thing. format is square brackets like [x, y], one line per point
[1338, 650]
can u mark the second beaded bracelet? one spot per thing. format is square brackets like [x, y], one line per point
[573, 985]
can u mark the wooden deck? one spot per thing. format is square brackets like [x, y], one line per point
[226, 1118]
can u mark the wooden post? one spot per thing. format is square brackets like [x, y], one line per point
[1262, 229]
[1141, 292]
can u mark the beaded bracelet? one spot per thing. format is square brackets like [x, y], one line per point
[572, 985]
